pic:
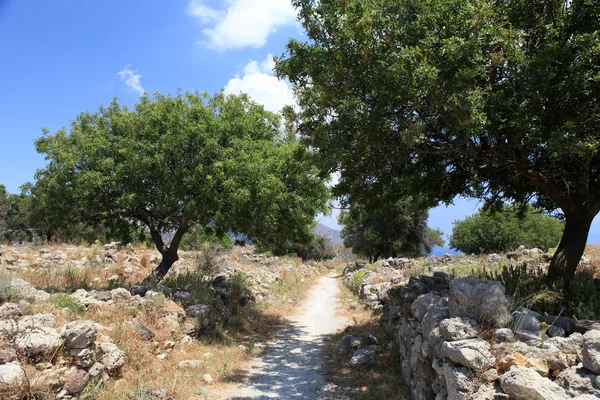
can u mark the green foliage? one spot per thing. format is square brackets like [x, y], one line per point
[75, 278]
[198, 237]
[196, 282]
[208, 261]
[489, 231]
[239, 282]
[489, 99]
[529, 287]
[379, 229]
[359, 275]
[14, 224]
[318, 248]
[63, 300]
[7, 291]
[173, 163]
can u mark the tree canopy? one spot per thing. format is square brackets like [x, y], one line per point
[489, 232]
[493, 99]
[388, 230]
[173, 163]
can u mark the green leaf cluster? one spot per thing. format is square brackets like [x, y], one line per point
[497, 231]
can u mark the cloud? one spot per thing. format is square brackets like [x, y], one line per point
[264, 88]
[131, 78]
[244, 23]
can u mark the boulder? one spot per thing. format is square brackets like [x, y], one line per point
[120, 294]
[437, 311]
[10, 311]
[481, 299]
[525, 384]
[459, 382]
[7, 355]
[12, 376]
[419, 307]
[362, 358]
[591, 351]
[571, 344]
[36, 321]
[75, 380]
[504, 335]
[471, 353]
[80, 334]
[525, 320]
[113, 358]
[578, 381]
[197, 311]
[82, 357]
[459, 328]
[38, 341]
[348, 343]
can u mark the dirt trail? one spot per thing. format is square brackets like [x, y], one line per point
[291, 367]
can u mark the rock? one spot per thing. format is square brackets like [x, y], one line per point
[139, 290]
[162, 356]
[362, 358]
[12, 376]
[459, 328]
[591, 351]
[82, 357]
[419, 307]
[567, 324]
[504, 335]
[348, 343]
[102, 295]
[489, 392]
[10, 311]
[36, 321]
[525, 320]
[471, 353]
[84, 297]
[370, 340]
[459, 382]
[113, 358]
[519, 359]
[197, 311]
[188, 364]
[526, 384]
[145, 332]
[38, 341]
[48, 380]
[578, 381]
[75, 380]
[120, 294]
[207, 378]
[7, 355]
[8, 328]
[572, 344]
[556, 331]
[96, 370]
[494, 258]
[80, 334]
[481, 299]
[437, 311]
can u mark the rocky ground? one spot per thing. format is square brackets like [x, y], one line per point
[74, 324]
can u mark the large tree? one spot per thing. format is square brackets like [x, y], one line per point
[380, 229]
[172, 163]
[494, 99]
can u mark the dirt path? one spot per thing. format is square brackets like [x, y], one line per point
[291, 367]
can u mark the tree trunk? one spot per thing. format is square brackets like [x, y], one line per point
[169, 254]
[571, 248]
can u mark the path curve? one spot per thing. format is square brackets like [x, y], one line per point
[291, 366]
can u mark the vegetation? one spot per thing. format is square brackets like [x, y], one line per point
[199, 237]
[173, 163]
[386, 230]
[489, 232]
[490, 99]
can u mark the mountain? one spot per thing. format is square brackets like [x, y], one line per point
[329, 233]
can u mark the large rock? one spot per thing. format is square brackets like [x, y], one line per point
[459, 328]
[10, 311]
[578, 381]
[75, 380]
[80, 334]
[525, 320]
[348, 343]
[197, 311]
[420, 306]
[526, 384]
[36, 321]
[571, 344]
[362, 358]
[459, 382]
[38, 341]
[591, 351]
[471, 353]
[437, 311]
[480, 299]
[12, 376]
[113, 358]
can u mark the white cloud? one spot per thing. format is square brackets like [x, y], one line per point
[264, 88]
[131, 78]
[244, 23]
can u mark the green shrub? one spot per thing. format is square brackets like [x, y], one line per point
[199, 237]
[7, 291]
[583, 300]
[63, 300]
[505, 230]
[75, 278]
[359, 275]
[239, 282]
[198, 283]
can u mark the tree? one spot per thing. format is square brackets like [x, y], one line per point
[388, 230]
[492, 99]
[173, 163]
[500, 231]
[14, 216]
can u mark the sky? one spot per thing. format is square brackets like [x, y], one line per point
[60, 58]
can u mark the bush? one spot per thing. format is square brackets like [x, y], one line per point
[507, 229]
[199, 237]
[198, 283]
[63, 300]
[7, 291]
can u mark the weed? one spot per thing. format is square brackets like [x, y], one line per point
[7, 291]
[75, 278]
[63, 300]
[196, 282]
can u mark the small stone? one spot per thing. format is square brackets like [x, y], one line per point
[11, 376]
[162, 356]
[362, 358]
[80, 334]
[459, 328]
[208, 379]
[348, 343]
[139, 290]
[113, 358]
[188, 364]
[504, 335]
[169, 344]
[145, 332]
[82, 357]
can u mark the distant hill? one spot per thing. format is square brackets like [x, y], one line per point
[329, 233]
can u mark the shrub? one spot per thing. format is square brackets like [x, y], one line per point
[199, 237]
[208, 261]
[198, 283]
[63, 300]
[7, 291]
[504, 230]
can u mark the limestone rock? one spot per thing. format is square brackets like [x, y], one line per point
[504, 335]
[578, 381]
[10, 311]
[82, 357]
[188, 364]
[526, 384]
[36, 341]
[348, 343]
[37, 321]
[196, 311]
[11, 376]
[459, 382]
[459, 328]
[471, 353]
[362, 358]
[80, 334]
[113, 358]
[481, 299]
[591, 351]
[75, 380]
[207, 378]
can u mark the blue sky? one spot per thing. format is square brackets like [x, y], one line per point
[60, 58]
